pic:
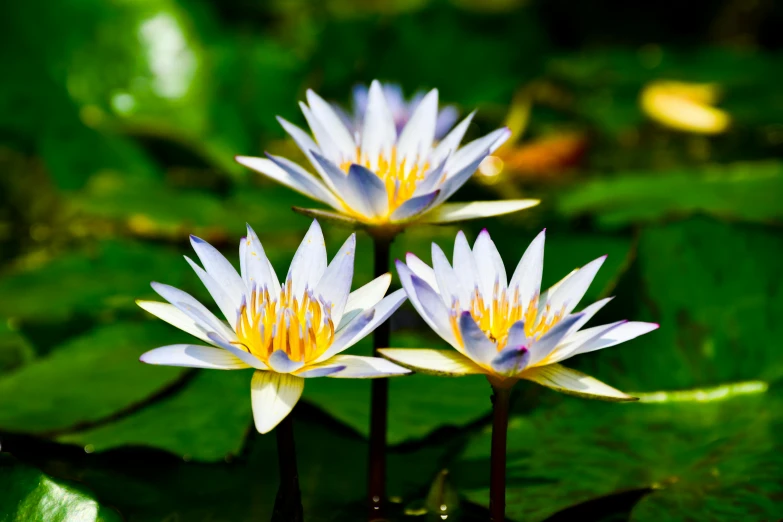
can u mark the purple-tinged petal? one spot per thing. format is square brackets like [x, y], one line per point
[511, 360]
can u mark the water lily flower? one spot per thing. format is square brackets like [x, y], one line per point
[287, 332]
[507, 329]
[378, 177]
[400, 108]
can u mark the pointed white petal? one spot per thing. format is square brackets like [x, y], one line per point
[300, 181]
[541, 348]
[260, 273]
[319, 370]
[326, 215]
[455, 181]
[451, 142]
[490, 265]
[175, 317]
[358, 367]
[364, 298]
[422, 270]
[413, 207]
[334, 177]
[465, 264]
[527, 276]
[450, 212]
[332, 122]
[611, 337]
[220, 269]
[314, 187]
[568, 294]
[477, 149]
[273, 395]
[193, 356]
[228, 307]
[309, 261]
[477, 346]
[379, 133]
[516, 335]
[511, 360]
[416, 138]
[335, 284]
[242, 354]
[572, 382]
[190, 306]
[428, 303]
[348, 336]
[325, 140]
[449, 286]
[437, 362]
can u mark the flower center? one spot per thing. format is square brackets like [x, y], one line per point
[302, 329]
[495, 317]
[400, 183]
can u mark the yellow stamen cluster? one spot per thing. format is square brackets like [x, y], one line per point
[503, 310]
[302, 329]
[400, 184]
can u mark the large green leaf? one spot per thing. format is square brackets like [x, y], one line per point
[185, 423]
[719, 460]
[744, 191]
[715, 289]
[15, 349]
[27, 495]
[87, 379]
[93, 281]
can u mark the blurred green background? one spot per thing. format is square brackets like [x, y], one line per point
[119, 121]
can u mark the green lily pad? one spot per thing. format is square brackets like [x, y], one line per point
[15, 349]
[104, 277]
[715, 289]
[719, 460]
[184, 423]
[744, 191]
[87, 379]
[28, 495]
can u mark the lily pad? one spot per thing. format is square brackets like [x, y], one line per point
[715, 460]
[28, 495]
[745, 191]
[86, 380]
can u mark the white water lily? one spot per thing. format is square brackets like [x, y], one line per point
[378, 178]
[286, 332]
[508, 330]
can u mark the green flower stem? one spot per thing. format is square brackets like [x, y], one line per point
[497, 485]
[379, 401]
[288, 503]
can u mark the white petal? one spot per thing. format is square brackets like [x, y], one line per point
[325, 140]
[568, 294]
[319, 370]
[326, 215]
[413, 207]
[333, 176]
[260, 273]
[379, 133]
[190, 306]
[477, 149]
[465, 265]
[347, 336]
[416, 138]
[620, 334]
[306, 145]
[450, 212]
[175, 317]
[193, 356]
[432, 181]
[273, 395]
[228, 307]
[455, 181]
[541, 348]
[218, 267]
[428, 303]
[451, 142]
[335, 284]
[588, 313]
[358, 367]
[366, 192]
[437, 362]
[300, 181]
[365, 298]
[449, 286]
[516, 335]
[477, 346]
[309, 261]
[421, 269]
[527, 276]
[572, 382]
[315, 187]
[332, 122]
[490, 265]
[280, 362]
[244, 356]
